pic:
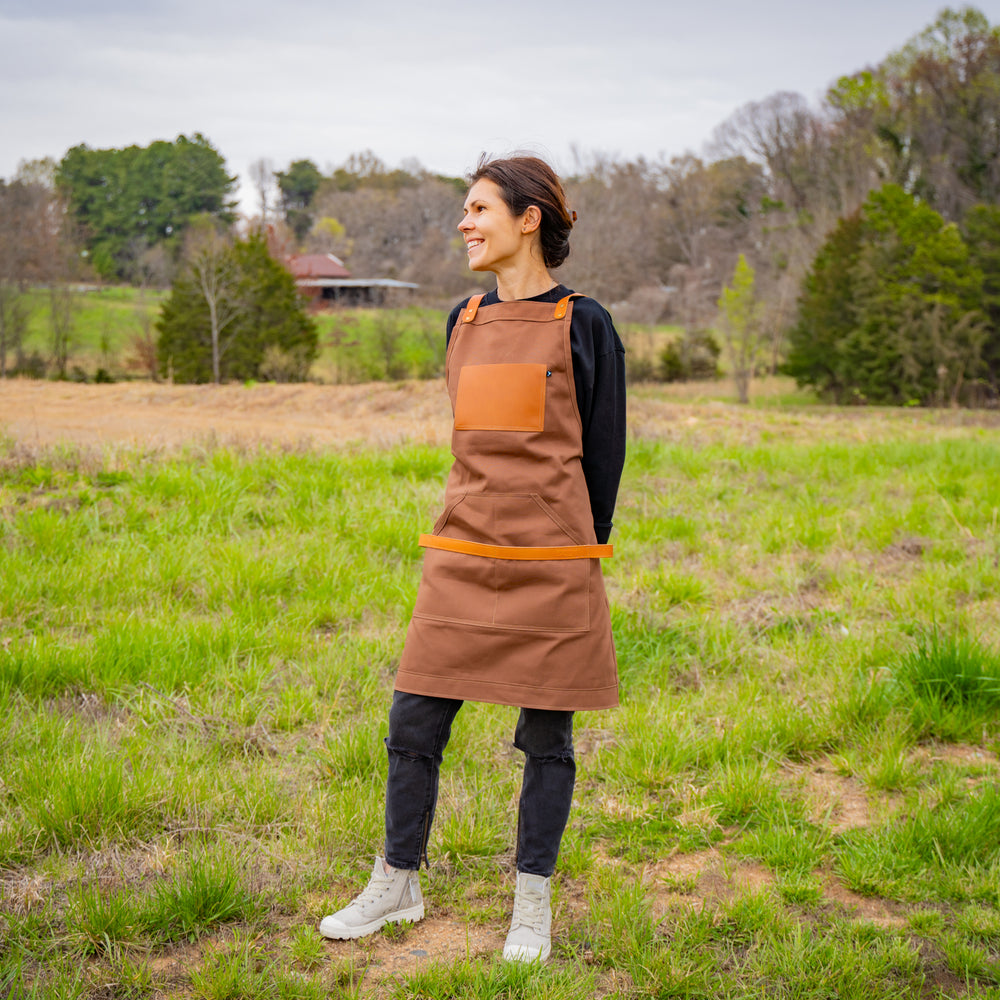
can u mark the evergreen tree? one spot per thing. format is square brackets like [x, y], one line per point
[299, 184]
[252, 303]
[128, 200]
[981, 229]
[826, 312]
[890, 311]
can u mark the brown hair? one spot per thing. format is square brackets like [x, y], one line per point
[525, 181]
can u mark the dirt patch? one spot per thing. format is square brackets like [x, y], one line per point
[833, 795]
[959, 753]
[434, 939]
[383, 414]
[41, 413]
[874, 911]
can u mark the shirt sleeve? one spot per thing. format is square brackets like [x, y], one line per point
[453, 319]
[599, 374]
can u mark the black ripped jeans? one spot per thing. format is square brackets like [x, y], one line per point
[419, 728]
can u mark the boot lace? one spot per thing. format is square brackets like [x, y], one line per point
[529, 909]
[377, 887]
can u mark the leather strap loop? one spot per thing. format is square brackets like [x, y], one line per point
[471, 309]
[563, 304]
[516, 552]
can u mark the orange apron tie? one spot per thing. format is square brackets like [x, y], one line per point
[517, 552]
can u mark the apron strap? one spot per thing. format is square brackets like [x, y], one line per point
[563, 304]
[471, 309]
[517, 552]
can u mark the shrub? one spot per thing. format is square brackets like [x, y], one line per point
[694, 357]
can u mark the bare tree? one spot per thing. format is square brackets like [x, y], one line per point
[939, 108]
[148, 266]
[214, 272]
[407, 233]
[143, 357]
[858, 159]
[782, 133]
[62, 324]
[709, 216]
[263, 179]
[24, 222]
[35, 248]
[617, 239]
[13, 321]
[816, 166]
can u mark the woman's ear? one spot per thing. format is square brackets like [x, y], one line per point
[531, 219]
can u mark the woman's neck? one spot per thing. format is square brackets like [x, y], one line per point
[522, 283]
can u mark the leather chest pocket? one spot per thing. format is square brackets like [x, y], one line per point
[501, 398]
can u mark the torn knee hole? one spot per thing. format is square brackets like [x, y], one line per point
[566, 757]
[408, 754]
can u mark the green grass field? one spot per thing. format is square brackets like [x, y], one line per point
[797, 798]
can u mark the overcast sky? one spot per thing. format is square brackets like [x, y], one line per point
[438, 81]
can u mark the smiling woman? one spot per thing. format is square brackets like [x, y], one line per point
[511, 607]
[516, 198]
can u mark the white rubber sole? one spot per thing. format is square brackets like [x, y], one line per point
[522, 953]
[336, 931]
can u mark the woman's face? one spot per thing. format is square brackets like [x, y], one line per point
[493, 236]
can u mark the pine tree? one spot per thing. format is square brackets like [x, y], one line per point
[890, 312]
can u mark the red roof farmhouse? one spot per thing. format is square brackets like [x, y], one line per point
[324, 280]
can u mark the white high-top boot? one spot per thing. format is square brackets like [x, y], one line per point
[530, 937]
[388, 898]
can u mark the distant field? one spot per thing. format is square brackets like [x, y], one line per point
[105, 322]
[356, 345]
[799, 796]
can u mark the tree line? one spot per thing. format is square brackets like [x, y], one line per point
[853, 244]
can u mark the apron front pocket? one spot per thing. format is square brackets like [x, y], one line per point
[457, 587]
[543, 594]
[505, 519]
[547, 594]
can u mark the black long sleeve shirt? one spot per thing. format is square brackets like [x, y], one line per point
[599, 375]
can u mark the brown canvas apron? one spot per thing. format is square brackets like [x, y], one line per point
[511, 607]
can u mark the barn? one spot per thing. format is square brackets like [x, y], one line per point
[325, 281]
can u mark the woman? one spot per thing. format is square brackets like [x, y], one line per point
[511, 607]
